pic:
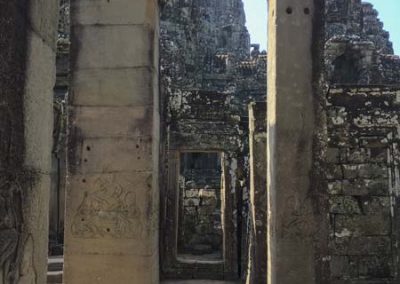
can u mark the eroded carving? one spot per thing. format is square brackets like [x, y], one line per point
[110, 211]
[299, 223]
[28, 274]
[10, 224]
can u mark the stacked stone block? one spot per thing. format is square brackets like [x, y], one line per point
[362, 171]
[201, 226]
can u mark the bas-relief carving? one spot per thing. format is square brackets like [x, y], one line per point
[299, 223]
[28, 273]
[8, 245]
[9, 239]
[10, 194]
[111, 211]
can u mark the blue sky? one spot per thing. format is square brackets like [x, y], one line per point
[256, 16]
[256, 13]
[389, 14]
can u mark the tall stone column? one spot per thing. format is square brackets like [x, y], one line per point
[294, 56]
[28, 32]
[111, 233]
[257, 273]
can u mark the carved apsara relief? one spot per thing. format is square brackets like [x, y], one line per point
[108, 212]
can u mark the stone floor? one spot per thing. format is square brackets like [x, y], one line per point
[55, 269]
[197, 282]
[55, 274]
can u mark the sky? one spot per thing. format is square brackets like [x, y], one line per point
[256, 14]
[256, 17]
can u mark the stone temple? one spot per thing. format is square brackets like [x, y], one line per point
[148, 141]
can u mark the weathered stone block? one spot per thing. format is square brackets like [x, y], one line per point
[189, 210]
[373, 171]
[209, 201]
[191, 193]
[343, 267]
[379, 155]
[191, 202]
[364, 171]
[344, 205]
[207, 210]
[362, 246]
[335, 187]
[354, 187]
[118, 12]
[337, 116]
[332, 155]
[376, 267]
[334, 172]
[208, 193]
[351, 171]
[378, 224]
[38, 104]
[371, 205]
[375, 187]
[101, 122]
[202, 229]
[105, 155]
[129, 48]
[357, 156]
[116, 87]
[374, 142]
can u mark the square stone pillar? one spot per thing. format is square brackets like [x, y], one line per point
[294, 53]
[111, 233]
[257, 273]
[28, 32]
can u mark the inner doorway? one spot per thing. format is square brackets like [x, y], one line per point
[200, 234]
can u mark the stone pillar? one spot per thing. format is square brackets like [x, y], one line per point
[28, 30]
[257, 273]
[111, 233]
[294, 54]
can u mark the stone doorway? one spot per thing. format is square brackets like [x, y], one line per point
[198, 233]
[200, 227]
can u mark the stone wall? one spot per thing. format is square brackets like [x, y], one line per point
[363, 182]
[198, 125]
[200, 227]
